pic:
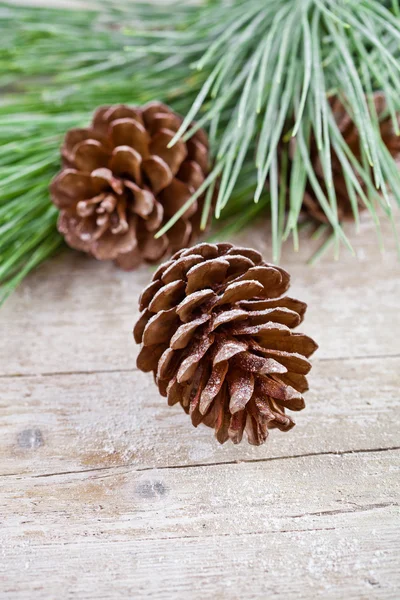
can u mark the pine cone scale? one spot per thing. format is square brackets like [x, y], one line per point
[228, 348]
[185, 332]
[213, 386]
[230, 367]
[241, 388]
[131, 134]
[192, 302]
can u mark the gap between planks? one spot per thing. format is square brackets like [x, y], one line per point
[130, 468]
[135, 370]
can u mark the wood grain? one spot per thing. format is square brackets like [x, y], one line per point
[105, 492]
[226, 531]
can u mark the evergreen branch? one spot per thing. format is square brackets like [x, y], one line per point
[255, 72]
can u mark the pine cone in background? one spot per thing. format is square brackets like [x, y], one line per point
[120, 183]
[351, 136]
[216, 332]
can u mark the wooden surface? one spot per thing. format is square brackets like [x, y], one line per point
[105, 492]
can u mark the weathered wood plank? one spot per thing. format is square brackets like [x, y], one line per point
[61, 423]
[322, 526]
[77, 314]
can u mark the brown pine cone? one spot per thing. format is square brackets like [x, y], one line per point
[351, 136]
[217, 335]
[120, 183]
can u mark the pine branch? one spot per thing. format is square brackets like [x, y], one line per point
[255, 72]
[319, 47]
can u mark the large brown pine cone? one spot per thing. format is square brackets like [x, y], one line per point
[120, 183]
[351, 136]
[216, 332]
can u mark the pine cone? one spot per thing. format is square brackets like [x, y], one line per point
[217, 335]
[351, 136]
[120, 183]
